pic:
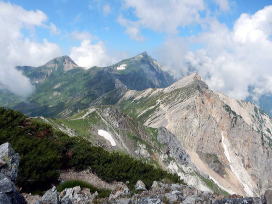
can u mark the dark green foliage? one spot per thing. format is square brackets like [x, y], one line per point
[45, 152]
[102, 193]
[234, 116]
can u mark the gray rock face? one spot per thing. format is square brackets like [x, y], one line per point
[227, 139]
[51, 196]
[140, 186]
[175, 148]
[166, 193]
[8, 192]
[76, 195]
[268, 196]
[9, 161]
[240, 201]
[120, 191]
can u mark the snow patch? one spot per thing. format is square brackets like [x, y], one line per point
[122, 67]
[237, 168]
[107, 136]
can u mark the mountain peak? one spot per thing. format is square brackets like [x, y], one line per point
[142, 55]
[64, 61]
[185, 81]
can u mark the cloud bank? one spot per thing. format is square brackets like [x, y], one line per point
[17, 49]
[161, 15]
[230, 59]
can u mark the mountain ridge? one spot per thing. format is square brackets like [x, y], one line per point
[208, 125]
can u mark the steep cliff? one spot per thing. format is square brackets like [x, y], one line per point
[227, 139]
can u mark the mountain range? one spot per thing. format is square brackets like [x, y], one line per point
[213, 142]
[62, 87]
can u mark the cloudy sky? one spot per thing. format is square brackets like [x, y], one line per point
[229, 42]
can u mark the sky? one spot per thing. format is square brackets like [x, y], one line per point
[228, 42]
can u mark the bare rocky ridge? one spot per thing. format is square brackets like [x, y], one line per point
[227, 139]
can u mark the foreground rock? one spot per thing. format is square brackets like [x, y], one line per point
[140, 186]
[74, 195]
[268, 196]
[161, 193]
[9, 163]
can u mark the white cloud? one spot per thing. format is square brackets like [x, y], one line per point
[161, 15]
[53, 29]
[89, 54]
[106, 9]
[232, 60]
[132, 28]
[16, 49]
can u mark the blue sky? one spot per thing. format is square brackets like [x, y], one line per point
[223, 40]
[88, 16]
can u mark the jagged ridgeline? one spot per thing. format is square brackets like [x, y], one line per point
[63, 88]
[44, 152]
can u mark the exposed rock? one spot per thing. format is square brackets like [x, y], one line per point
[50, 197]
[156, 185]
[268, 196]
[120, 191]
[31, 199]
[240, 201]
[205, 124]
[140, 186]
[8, 192]
[76, 195]
[9, 161]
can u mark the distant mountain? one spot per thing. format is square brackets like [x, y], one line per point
[63, 88]
[227, 139]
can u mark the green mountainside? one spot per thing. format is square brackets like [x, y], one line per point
[63, 88]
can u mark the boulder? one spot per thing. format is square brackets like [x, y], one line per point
[119, 191]
[50, 197]
[77, 195]
[9, 161]
[8, 192]
[156, 185]
[268, 196]
[239, 201]
[140, 186]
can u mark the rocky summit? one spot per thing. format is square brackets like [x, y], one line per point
[227, 139]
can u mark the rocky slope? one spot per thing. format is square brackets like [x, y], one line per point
[121, 132]
[228, 140]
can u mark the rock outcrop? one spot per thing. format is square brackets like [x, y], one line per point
[8, 174]
[9, 161]
[140, 186]
[268, 196]
[75, 195]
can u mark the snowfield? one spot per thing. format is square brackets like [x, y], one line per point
[122, 67]
[107, 136]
